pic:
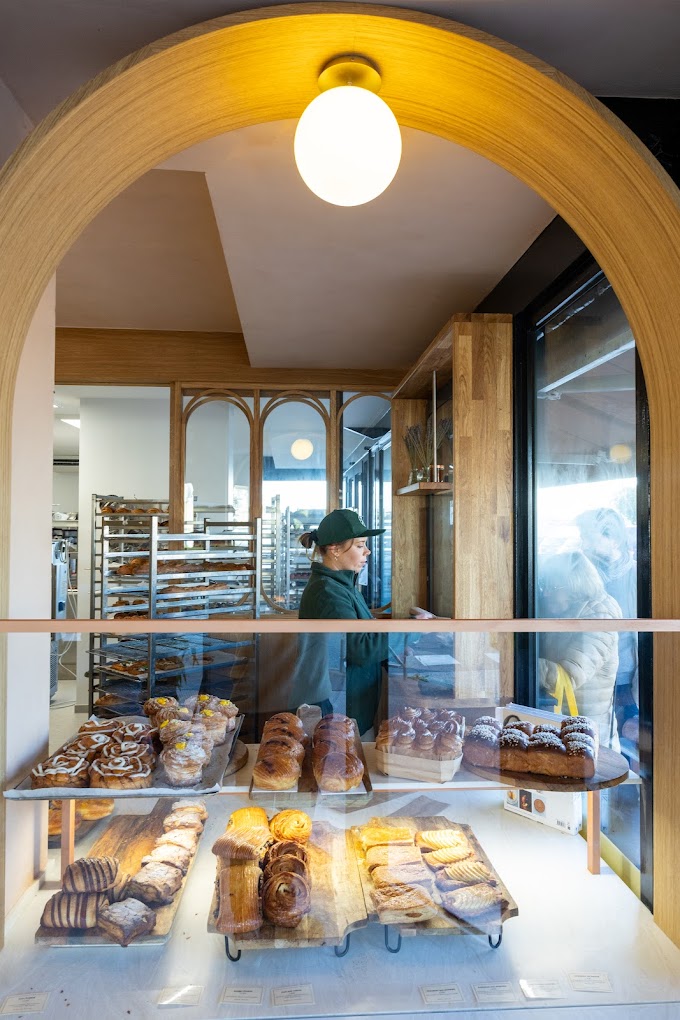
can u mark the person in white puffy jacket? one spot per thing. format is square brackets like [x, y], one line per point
[571, 588]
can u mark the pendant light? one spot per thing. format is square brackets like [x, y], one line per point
[347, 142]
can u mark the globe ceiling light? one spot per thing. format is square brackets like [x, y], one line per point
[347, 142]
[302, 449]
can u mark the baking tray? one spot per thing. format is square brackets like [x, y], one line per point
[213, 774]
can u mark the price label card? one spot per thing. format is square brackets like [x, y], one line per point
[541, 989]
[25, 1002]
[183, 995]
[441, 995]
[294, 995]
[250, 995]
[590, 981]
[494, 991]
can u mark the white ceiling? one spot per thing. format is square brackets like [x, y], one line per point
[312, 285]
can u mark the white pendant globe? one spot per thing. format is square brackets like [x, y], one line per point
[347, 146]
[302, 449]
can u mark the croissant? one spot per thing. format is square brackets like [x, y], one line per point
[338, 772]
[276, 770]
[286, 899]
[238, 890]
[291, 825]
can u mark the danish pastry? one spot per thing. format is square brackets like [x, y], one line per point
[73, 910]
[291, 825]
[90, 874]
[246, 817]
[126, 920]
[471, 901]
[238, 890]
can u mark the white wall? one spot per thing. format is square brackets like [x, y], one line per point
[124, 450]
[28, 663]
[65, 490]
[14, 124]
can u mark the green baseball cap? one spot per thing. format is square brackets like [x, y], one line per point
[341, 526]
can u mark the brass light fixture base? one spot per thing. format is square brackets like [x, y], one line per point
[350, 69]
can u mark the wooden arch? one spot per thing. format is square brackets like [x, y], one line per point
[438, 76]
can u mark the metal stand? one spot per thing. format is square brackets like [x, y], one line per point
[387, 941]
[345, 947]
[234, 959]
[499, 939]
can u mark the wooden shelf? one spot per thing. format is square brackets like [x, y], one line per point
[413, 490]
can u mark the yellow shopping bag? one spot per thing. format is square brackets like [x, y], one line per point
[564, 689]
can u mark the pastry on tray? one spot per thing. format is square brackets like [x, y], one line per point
[246, 817]
[472, 901]
[130, 749]
[91, 810]
[186, 838]
[183, 763]
[286, 848]
[60, 770]
[90, 874]
[450, 855]
[99, 726]
[242, 844]
[238, 893]
[382, 835]
[401, 904]
[467, 872]
[291, 825]
[276, 769]
[170, 853]
[126, 920]
[338, 772]
[121, 773]
[441, 839]
[155, 884]
[73, 910]
[183, 820]
[191, 805]
[286, 862]
[401, 874]
[286, 899]
[392, 856]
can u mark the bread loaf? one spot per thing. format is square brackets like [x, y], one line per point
[570, 751]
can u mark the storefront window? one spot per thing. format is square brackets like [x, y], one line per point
[586, 525]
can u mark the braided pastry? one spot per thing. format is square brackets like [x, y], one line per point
[286, 899]
[90, 874]
[291, 825]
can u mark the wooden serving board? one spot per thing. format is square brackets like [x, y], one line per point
[444, 923]
[128, 838]
[307, 785]
[611, 769]
[338, 905]
[425, 770]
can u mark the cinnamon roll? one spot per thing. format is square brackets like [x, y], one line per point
[130, 749]
[286, 863]
[286, 848]
[89, 745]
[286, 899]
[99, 726]
[141, 732]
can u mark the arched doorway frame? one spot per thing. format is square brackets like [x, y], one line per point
[439, 77]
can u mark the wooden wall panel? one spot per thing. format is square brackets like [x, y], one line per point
[129, 357]
[483, 472]
[409, 517]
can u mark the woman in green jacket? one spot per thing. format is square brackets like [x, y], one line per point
[332, 594]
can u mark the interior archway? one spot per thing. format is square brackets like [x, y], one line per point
[438, 76]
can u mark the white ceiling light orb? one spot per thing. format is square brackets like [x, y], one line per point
[302, 449]
[347, 142]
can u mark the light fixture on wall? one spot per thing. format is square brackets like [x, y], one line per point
[302, 449]
[620, 453]
[347, 142]
[71, 421]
